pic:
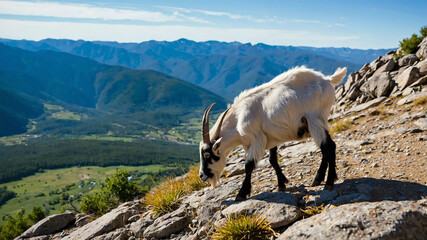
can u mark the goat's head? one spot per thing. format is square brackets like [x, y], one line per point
[211, 162]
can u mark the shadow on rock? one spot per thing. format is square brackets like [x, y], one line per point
[368, 190]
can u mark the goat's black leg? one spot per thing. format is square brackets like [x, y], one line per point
[246, 187]
[328, 152]
[281, 179]
[328, 158]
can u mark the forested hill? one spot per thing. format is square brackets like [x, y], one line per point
[66, 79]
[223, 68]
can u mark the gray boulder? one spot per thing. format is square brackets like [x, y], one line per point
[407, 77]
[411, 98]
[114, 219]
[168, 224]
[422, 67]
[366, 220]
[48, 225]
[408, 60]
[378, 85]
[367, 105]
[422, 51]
[387, 67]
[279, 208]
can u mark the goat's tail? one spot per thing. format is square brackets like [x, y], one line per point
[338, 76]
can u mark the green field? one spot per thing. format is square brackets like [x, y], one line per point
[40, 189]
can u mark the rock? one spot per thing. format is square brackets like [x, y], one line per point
[48, 225]
[407, 91]
[353, 93]
[376, 64]
[419, 82]
[168, 224]
[279, 208]
[407, 77]
[350, 198]
[119, 234]
[412, 97]
[408, 60]
[114, 219]
[367, 105]
[422, 51]
[82, 219]
[378, 85]
[383, 220]
[235, 169]
[326, 196]
[364, 69]
[422, 67]
[364, 188]
[387, 67]
[422, 123]
[138, 227]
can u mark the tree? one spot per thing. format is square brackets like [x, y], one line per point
[410, 45]
[120, 186]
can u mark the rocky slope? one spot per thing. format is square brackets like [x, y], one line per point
[381, 162]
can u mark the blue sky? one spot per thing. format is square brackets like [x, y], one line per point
[355, 24]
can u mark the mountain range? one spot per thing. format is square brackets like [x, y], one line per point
[69, 80]
[223, 68]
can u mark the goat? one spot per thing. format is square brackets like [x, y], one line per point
[292, 106]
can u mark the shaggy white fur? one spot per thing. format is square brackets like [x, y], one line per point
[270, 114]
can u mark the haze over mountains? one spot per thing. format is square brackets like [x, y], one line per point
[223, 68]
[141, 81]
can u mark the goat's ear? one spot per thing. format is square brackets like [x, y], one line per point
[215, 147]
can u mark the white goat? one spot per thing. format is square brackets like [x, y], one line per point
[293, 105]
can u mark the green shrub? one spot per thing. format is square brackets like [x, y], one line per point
[97, 204]
[17, 225]
[121, 187]
[410, 45]
[118, 189]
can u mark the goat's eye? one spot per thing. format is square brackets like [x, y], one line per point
[206, 155]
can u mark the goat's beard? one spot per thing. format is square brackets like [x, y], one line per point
[214, 181]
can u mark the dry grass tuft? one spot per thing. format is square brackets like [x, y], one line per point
[420, 101]
[167, 197]
[244, 227]
[341, 125]
[309, 211]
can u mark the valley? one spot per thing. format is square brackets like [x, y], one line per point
[51, 189]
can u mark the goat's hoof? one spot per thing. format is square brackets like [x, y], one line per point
[282, 188]
[240, 198]
[328, 187]
[315, 183]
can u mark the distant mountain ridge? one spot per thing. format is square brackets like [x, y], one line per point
[66, 79]
[223, 68]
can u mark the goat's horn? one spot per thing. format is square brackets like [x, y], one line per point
[218, 130]
[205, 125]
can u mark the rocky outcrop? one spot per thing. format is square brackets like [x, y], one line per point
[50, 224]
[111, 221]
[384, 77]
[366, 220]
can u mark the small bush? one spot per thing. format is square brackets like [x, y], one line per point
[17, 225]
[121, 187]
[97, 204]
[410, 45]
[118, 189]
[244, 227]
